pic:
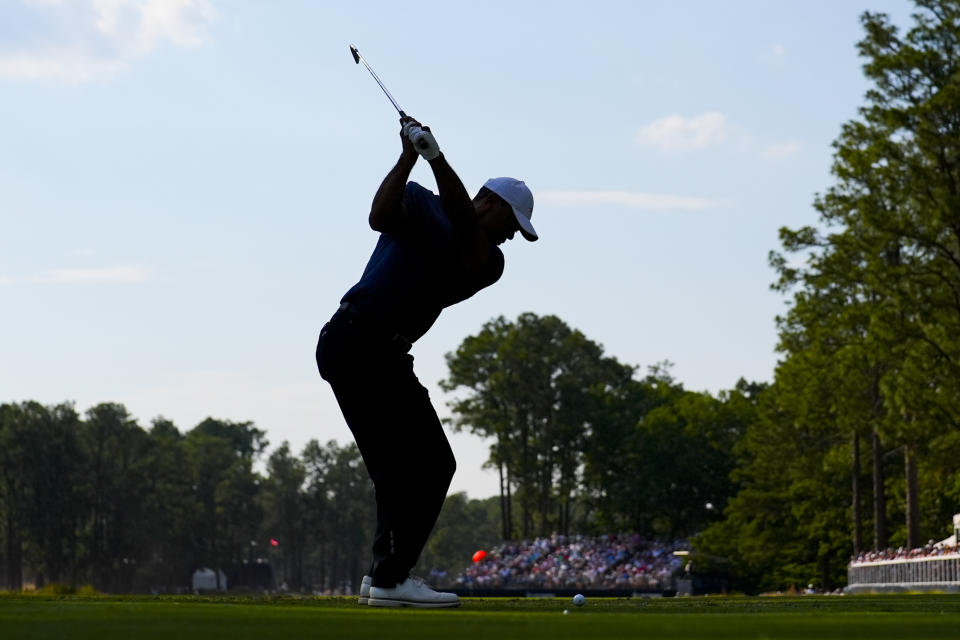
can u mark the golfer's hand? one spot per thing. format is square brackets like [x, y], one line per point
[421, 139]
[409, 151]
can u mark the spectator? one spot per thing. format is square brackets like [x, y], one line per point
[930, 550]
[611, 561]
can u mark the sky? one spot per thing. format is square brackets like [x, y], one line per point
[184, 185]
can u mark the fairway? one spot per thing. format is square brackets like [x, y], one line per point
[107, 617]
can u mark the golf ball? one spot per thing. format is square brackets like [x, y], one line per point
[579, 599]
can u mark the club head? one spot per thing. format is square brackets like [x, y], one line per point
[356, 54]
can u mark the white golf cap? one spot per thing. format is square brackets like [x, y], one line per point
[518, 196]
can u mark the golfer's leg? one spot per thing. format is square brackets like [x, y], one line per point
[405, 451]
[371, 386]
[411, 465]
[366, 410]
[431, 468]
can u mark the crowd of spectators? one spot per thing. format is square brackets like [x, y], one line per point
[613, 561]
[930, 550]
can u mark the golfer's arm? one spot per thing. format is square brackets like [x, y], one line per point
[387, 213]
[472, 242]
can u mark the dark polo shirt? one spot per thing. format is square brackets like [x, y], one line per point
[416, 272]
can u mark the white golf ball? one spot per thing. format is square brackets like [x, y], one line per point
[579, 599]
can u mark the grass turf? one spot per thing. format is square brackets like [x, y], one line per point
[263, 618]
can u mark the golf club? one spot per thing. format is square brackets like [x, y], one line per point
[413, 132]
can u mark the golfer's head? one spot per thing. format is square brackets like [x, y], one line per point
[517, 196]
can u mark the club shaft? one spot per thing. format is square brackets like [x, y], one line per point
[374, 74]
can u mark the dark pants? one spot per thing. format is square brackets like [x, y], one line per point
[399, 436]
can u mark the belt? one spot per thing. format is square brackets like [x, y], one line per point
[396, 340]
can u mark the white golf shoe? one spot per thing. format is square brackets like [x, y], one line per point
[412, 592]
[365, 589]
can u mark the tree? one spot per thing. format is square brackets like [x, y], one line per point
[533, 388]
[688, 458]
[617, 456]
[170, 510]
[39, 476]
[659, 460]
[786, 525]
[871, 343]
[14, 466]
[114, 449]
[240, 512]
[214, 448]
[340, 513]
[897, 220]
[286, 513]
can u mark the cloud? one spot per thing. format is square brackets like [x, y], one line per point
[633, 199]
[782, 150]
[124, 274]
[778, 50]
[140, 26]
[72, 66]
[678, 133]
[95, 39]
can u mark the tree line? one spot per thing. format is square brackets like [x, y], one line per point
[584, 446]
[857, 439]
[100, 500]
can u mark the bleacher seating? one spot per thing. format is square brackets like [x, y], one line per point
[602, 562]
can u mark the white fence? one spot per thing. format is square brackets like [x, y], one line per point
[935, 573]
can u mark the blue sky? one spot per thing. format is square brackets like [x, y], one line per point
[184, 184]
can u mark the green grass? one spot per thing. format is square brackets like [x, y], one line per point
[265, 618]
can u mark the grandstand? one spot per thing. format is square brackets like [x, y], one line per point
[934, 567]
[622, 564]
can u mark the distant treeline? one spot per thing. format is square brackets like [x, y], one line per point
[101, 500]
[97, 499]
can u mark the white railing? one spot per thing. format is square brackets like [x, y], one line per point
[921, 574]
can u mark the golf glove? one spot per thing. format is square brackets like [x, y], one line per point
[423, 141]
